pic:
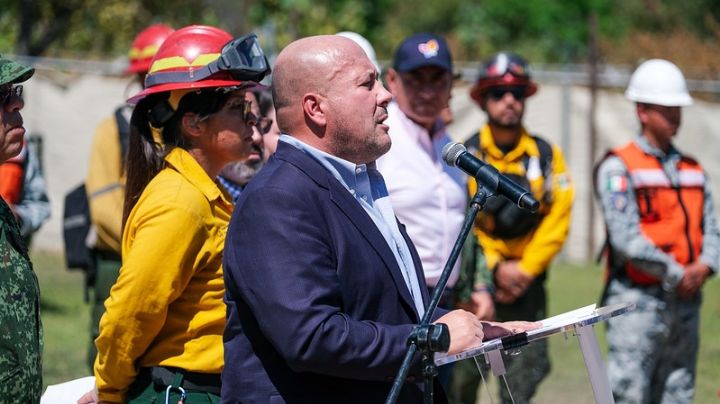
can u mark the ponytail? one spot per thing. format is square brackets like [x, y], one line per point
[146, 152]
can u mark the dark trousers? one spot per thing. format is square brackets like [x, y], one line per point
[160, 385]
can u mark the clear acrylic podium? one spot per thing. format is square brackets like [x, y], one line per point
[579, 322]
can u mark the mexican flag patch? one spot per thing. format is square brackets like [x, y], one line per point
[617, 183]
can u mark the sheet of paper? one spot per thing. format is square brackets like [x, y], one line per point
[564, 319]
[68, 392]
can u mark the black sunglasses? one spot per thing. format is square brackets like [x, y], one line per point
[6, 92]
[264, 124]
[497, 93]
[245, 109]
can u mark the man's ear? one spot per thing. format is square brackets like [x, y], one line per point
[392, 79]
[314, 108]
[641, 113]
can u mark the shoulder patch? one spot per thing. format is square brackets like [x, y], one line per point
[619, 201]
[616, 182]
[563, 181]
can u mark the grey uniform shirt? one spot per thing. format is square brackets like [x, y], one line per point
[622, 218]
[34, 206]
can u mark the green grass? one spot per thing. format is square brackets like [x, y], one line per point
[66, 317]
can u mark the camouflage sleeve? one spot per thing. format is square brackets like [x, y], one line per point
[619, 207]
[711, 234]
[34, 206]
[474, 273]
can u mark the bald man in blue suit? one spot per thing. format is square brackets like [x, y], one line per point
[323, 284]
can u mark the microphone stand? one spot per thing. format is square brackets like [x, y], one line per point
[431, 338]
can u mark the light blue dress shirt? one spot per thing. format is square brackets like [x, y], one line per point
[367, 186]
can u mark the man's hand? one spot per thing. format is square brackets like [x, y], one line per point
[494, 330]
[481, 303]
[466, 331]
[693, 279]
[510, 281]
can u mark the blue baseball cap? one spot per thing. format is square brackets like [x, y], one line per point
[422, 50]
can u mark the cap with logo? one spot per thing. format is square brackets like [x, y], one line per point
[422, 50]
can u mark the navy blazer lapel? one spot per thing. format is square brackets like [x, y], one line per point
[419, 270]
[354, 211]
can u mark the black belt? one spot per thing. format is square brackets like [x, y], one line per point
[192, 381]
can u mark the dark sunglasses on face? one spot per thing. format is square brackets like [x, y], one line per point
[264, 124]
[242, 106]
[6, 92]
[497, 93]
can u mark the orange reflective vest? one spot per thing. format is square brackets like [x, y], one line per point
[670, 216]
[12, 177]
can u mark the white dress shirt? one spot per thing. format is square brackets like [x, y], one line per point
[427, 195]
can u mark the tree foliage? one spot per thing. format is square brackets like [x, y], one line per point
[542, 30]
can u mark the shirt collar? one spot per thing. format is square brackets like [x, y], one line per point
[356, 178]
[181, 161]
[525, 146]
[417, 132]
[645, 146]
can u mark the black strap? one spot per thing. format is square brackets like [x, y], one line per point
[123, 127]
[191, 381]
[546, 155]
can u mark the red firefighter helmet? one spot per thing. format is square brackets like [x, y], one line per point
[200, 56]
[144, 47]
[503, 69]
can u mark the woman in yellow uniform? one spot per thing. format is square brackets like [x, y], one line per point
[161, 335]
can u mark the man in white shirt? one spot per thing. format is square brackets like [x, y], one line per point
[428, 197]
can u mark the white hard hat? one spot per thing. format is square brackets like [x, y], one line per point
[658, 82]
[363, 43]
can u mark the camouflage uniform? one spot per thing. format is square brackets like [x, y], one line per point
[652, 351]
[20, 327]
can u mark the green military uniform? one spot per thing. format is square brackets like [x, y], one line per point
[20, 327]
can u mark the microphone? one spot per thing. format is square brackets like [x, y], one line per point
[456, 155]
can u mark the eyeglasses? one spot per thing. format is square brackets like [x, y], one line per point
[6, 93]
[264, 125]
[497, 93]
[245, 106]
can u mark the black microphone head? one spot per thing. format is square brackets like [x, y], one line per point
[528, 202]
[451, 152]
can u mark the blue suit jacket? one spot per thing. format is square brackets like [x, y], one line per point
[317, 308]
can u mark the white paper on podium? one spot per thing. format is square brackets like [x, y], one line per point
[564, 319]
[564, 322]
[68, 392]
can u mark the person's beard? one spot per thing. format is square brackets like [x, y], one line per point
[513, 124]
[241, 172]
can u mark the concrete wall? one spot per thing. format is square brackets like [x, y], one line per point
[616, 124]
[66, 108]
